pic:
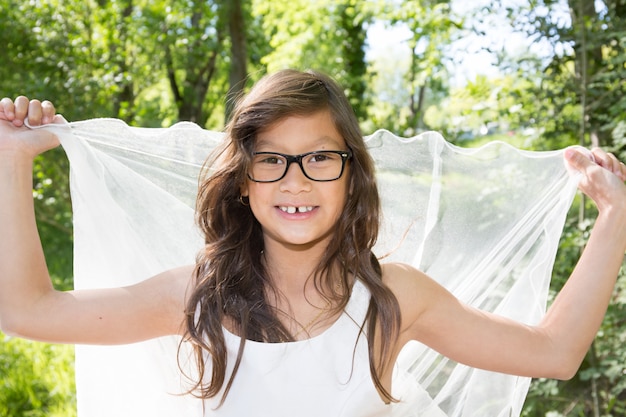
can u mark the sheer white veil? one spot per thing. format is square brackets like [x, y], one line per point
[483, 222]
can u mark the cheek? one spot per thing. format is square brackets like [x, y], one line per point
[257, 196]
[254, 191]
[341, 193]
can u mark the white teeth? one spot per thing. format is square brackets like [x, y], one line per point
[292, 209]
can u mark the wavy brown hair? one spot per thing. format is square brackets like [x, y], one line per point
[231, 283]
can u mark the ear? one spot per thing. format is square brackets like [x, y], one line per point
[243, 189]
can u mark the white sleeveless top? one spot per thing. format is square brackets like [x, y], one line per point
[321, 376]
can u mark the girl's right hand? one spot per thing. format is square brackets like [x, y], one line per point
[38, 112]
[15, 137]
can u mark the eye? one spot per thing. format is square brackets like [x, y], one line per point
[268, 159]
[322, 157]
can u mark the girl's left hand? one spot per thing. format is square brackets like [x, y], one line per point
[603, 177]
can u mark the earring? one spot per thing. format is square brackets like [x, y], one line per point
[244, 200]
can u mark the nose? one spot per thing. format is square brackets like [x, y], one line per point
[294, 180]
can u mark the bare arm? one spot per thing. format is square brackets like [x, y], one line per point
[29, 305]
[556, 346]
[576, 314]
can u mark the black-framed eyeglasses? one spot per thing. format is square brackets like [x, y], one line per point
[316, 166]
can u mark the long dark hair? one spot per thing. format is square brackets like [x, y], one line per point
[230, 279]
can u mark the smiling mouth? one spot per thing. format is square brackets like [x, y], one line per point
[292, 209]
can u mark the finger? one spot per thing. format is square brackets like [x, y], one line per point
[613, 164]
[601, 157]
[21, 110]
[35, 113]
[579, 158]
[48, 112]
[619, 168]
[609, 162]
[7, 109]
[59, 120]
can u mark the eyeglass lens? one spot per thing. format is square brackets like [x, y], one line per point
[318, 166]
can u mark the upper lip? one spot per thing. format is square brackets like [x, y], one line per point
[295, 205]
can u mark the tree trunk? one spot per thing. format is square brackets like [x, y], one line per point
[238, 53]
[123, 102]
[588, 63]
[190, 87]
[352, 24]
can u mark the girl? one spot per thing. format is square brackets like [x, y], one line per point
[287, 284]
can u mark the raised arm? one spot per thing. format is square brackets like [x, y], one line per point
[577, 312]
[29, 305]
[556, 346]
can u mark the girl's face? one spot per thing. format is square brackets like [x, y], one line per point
[297, 212]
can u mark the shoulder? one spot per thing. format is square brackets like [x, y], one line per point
[395, 272]
[403, 278]
[173, 281]
[169, 291]
[416, 292]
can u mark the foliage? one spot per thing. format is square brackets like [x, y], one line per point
[588, 40]
[153, 63]
[190, 41]
[584, 85]
[37, 379]
[484, 107]
[423, 78]
[599, 388]
[308, 35]
[574, 96]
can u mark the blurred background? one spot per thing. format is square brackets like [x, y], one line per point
[539, 74]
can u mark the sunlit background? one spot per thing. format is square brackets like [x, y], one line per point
[539, 74]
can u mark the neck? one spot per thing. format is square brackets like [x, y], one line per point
[291, 270]
[306, 308]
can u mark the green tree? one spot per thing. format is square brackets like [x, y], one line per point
[192, 38]
[432, 27]
[153, 63]
[423, 79]
[325, 35]
[579, 99]
[238, 70]
[588, 40]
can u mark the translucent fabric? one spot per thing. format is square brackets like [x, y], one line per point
[483, 222]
